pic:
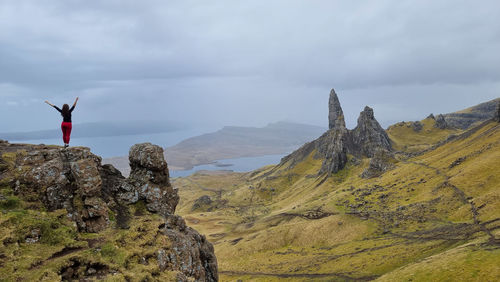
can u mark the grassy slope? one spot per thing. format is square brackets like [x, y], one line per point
[406, 139]
[406, 224]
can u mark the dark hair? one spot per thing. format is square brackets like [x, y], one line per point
[65, 110]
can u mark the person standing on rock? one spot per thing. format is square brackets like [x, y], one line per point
[66, 124]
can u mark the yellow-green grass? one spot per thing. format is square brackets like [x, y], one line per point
[468, 262]
[37, 245]
[420, 209]
[405, 138]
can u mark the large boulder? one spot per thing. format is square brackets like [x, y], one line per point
[149, 174]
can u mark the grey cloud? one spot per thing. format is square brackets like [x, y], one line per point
[245, 62]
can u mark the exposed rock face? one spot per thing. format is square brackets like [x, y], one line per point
[335, 145]
[149, 173]
[466, 118]
[335, 113]
[74, 179]
[64, 179]
[381, 162]
[497, 113]
[440, 122]
[369, 136]
[192, 253]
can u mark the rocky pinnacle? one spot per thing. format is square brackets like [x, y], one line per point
[368, 136]
[335, 144]
[335, 113]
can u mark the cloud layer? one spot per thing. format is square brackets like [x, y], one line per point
[244, 62]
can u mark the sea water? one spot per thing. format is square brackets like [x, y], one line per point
[236, 165]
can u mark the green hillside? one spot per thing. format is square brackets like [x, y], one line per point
[434, 216]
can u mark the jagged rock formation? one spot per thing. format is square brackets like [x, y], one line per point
[66, 179]
[333, 147]
[441, 122]
[497, 113]
[381, 162]
[73, 179]
[335, 144]
[335, 113]
[369, 136]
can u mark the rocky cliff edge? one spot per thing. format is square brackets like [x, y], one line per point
[102, 224]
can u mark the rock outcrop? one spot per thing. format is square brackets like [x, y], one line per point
[381, 162]
[441, 122]
[466, 118]
[338, 142]
[52, 178]
[333, 148]
[335, 113]
[369, 136]
[417, 126]
[66, 179]
[497, 113]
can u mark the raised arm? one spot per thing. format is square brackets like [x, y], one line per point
[52, 105]
[47, 102]
[74, 104]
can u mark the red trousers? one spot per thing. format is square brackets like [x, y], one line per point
[66, 130]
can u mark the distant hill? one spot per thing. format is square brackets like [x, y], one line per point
[465, 118]
[234, 142]
[98, 129]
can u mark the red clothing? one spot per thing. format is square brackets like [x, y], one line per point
[66, 130]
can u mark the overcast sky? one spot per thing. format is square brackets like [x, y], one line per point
[244, 62]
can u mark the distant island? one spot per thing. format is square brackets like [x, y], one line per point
[233, 142]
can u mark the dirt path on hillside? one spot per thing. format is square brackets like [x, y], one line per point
[463, 198]
[300, 275]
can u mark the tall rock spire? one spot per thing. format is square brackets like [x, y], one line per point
[335, 144]
[335, 113]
